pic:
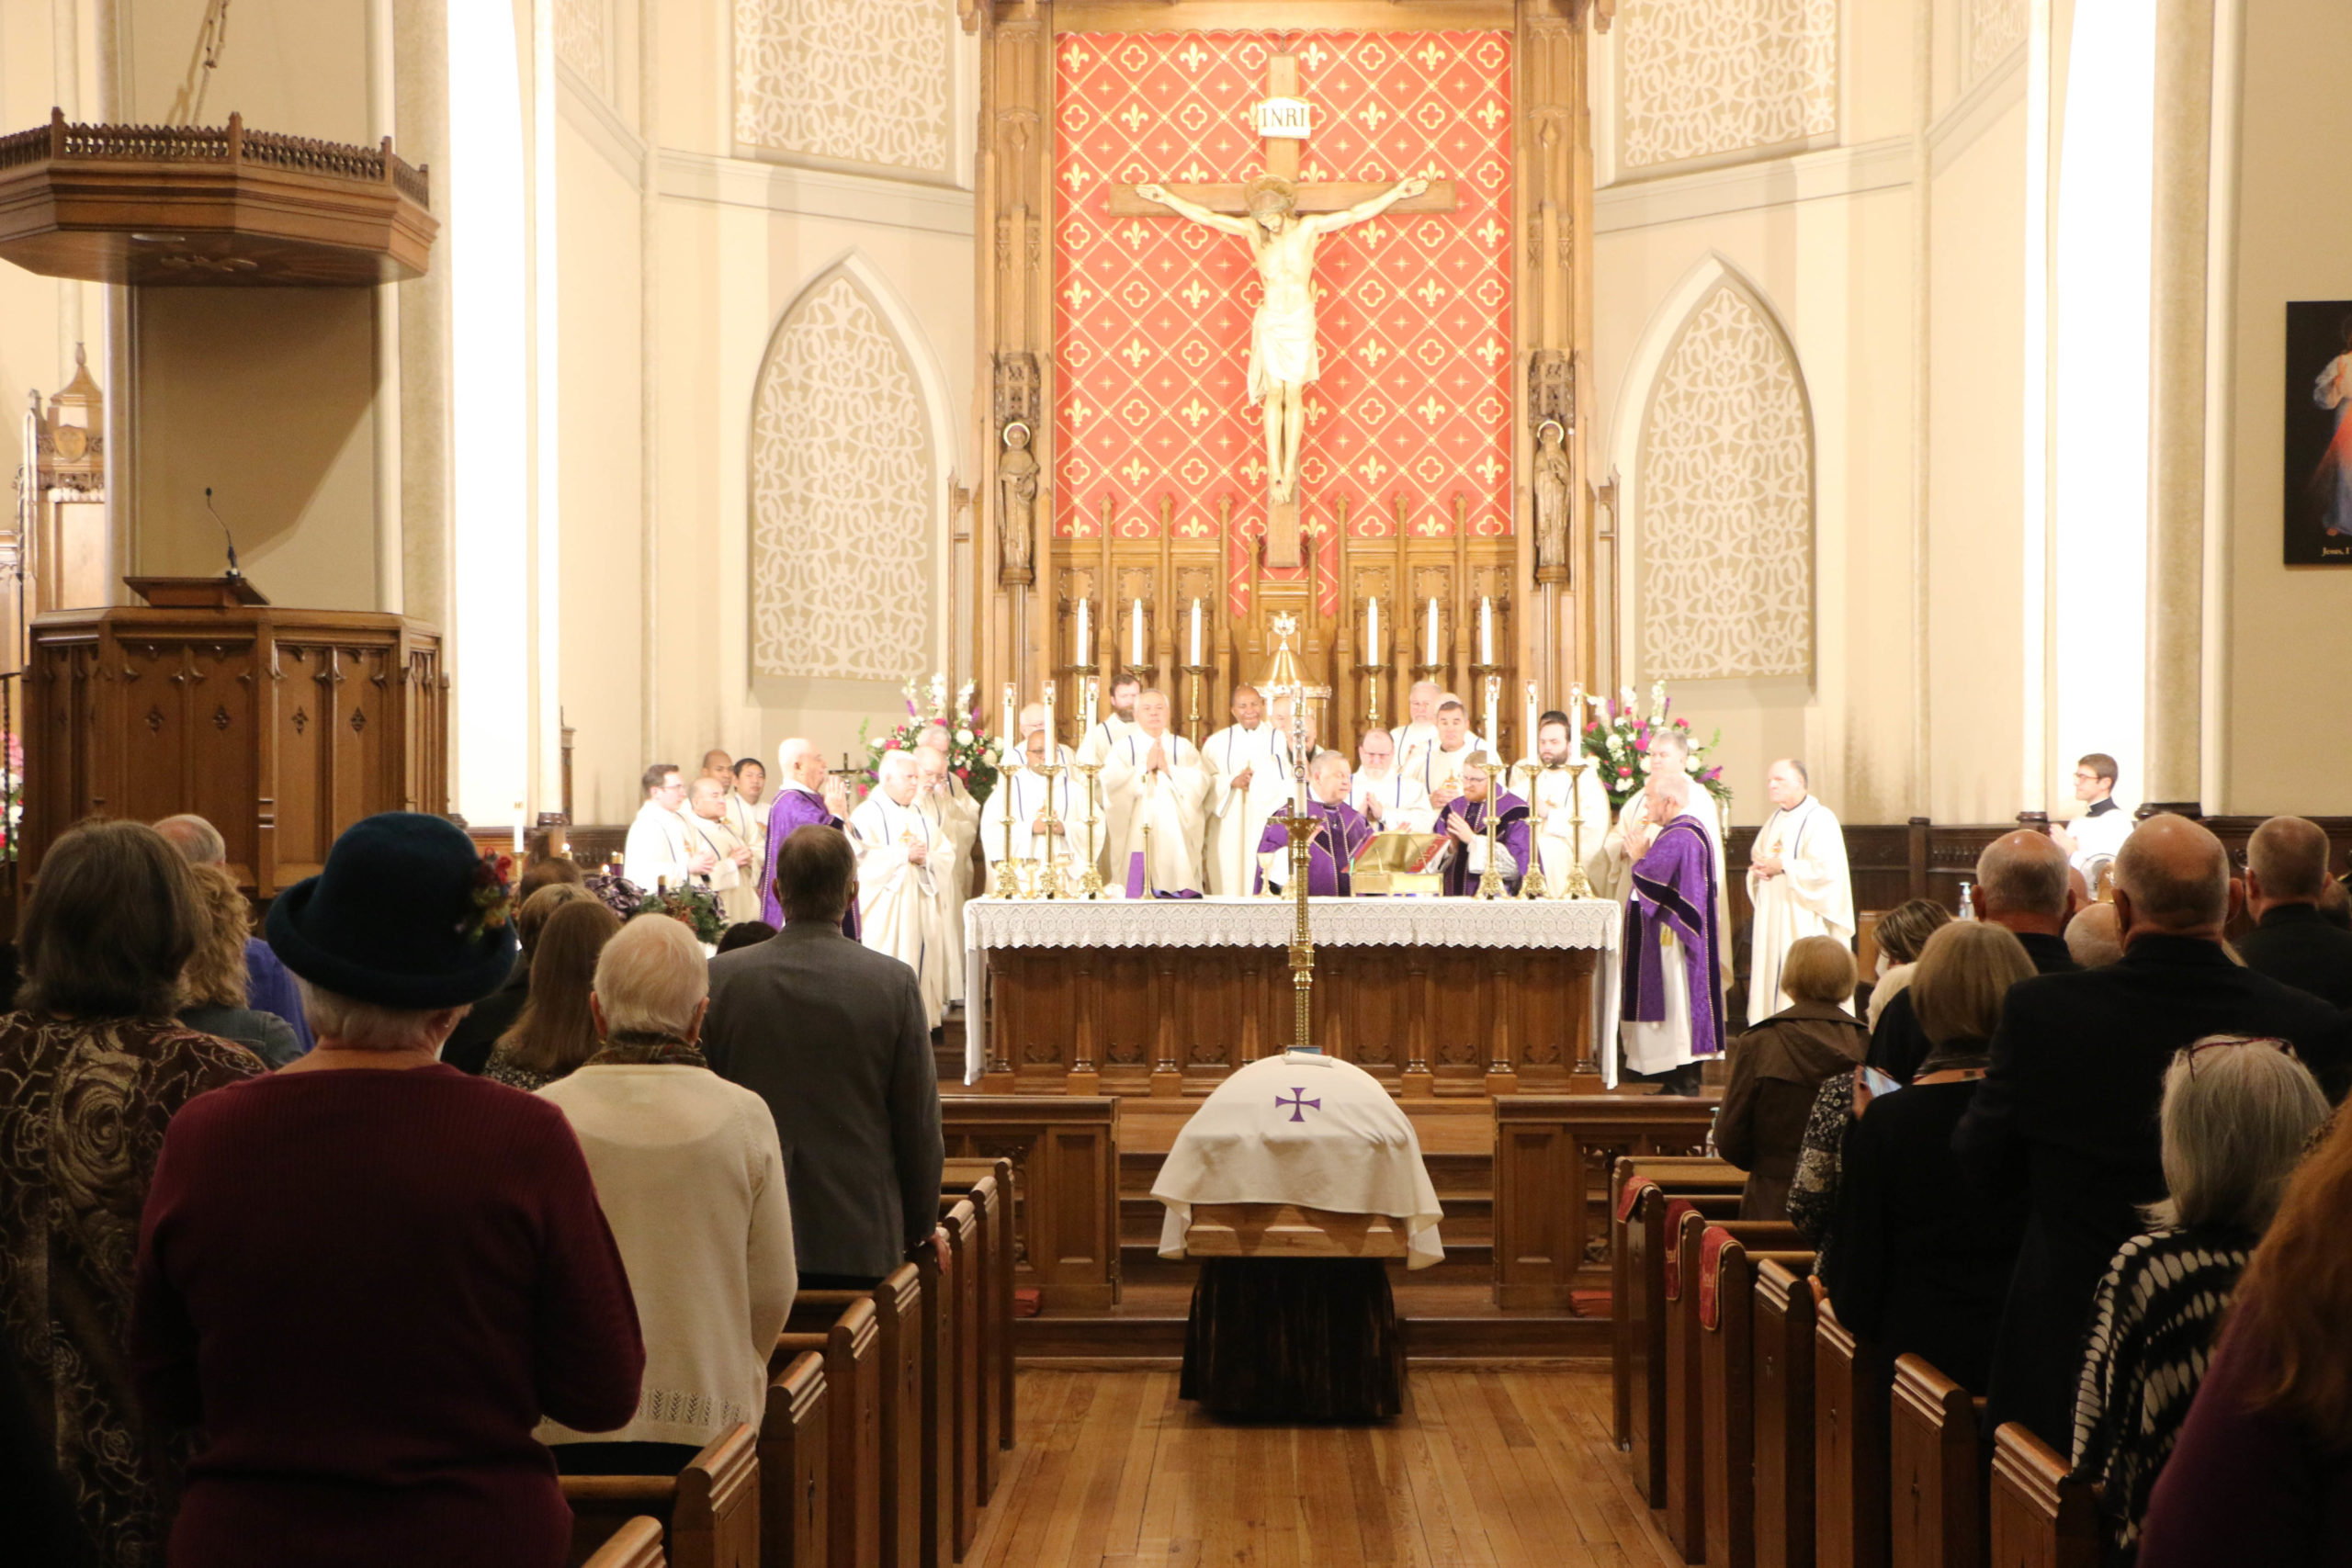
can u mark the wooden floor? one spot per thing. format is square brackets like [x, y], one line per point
[1498, 1467]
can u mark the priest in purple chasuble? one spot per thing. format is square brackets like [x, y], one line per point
[1465, 817]
[799, 803]
[1673, 1012]
[1341, 831]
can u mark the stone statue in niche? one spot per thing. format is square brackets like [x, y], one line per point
[1016, 483]
[1551, 496]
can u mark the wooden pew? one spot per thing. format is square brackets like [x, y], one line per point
[961, 1223]
[792, 1440]
[2042, 1515]
[710, 1510]
[1727, 1389]
[637, 1544]
[1784, 1329]
[897, 1305]
[1640, 1313]
[938, 1406]
[1936, 1504]
[993, 1282]
[1683, 1499]
[851, 1347]
[1678, 1176]
[1849, 1458]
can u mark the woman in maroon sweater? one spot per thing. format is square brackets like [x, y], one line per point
[368, 1277]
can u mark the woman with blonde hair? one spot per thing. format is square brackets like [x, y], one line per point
[213, 981]
[1778, 1068]
[1899, 936]
[555, 1031]
[2238, 1113]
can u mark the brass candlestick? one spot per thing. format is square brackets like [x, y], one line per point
[1301, 826]
[1011, 879]
[1089, 884]
[1193, 675]
[1490, 881]
[1049, 772]
[1530, 879]
[1369, 674]
[1579, 886]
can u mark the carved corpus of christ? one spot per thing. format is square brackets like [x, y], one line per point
[1283, 358]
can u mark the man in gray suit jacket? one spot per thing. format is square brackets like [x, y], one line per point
[833, 1036]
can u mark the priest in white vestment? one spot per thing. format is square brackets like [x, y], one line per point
[1563, 825]
[1095, 745]
[1418, 735]
[747, 812]
[1797, 883]
[2097, 833]
[1250, 777]
[1440, 766]
[1393, 801]
[958, 817]
[731, 878]
[1629, 841]
[662, 849]
[1157, 787]
[899, 903]
[1021, 794]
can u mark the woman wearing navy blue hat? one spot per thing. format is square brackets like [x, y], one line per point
[368, 1277]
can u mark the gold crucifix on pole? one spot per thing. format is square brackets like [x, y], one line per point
[1283, 220]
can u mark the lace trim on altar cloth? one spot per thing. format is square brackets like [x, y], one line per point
[1269, 922]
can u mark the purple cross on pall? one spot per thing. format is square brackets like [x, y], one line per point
[1297, 1104]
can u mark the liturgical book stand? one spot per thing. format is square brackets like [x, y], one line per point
[282, 726]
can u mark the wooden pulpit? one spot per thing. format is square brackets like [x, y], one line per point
[281, 726]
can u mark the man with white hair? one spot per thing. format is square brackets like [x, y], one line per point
[1021, 794]
[1415, 737]
[1669, 752]
[732, 875]
[1391, 800]
[1249, 763]
[1439, 769]
[1673, 1008]
[899, 901]
[1158, 789]
[269, 985]
[799, 803]
[958, 817]
[1340, 833]
[662, 849]
[1797, 883]
[2286, 875]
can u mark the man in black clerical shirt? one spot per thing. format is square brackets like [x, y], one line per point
[2285, 873]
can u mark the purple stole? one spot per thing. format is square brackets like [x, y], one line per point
[796, 809]
[1674, 889]
[1511, 833]
[1327, 874]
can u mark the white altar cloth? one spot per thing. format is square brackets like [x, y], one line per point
[994, 922]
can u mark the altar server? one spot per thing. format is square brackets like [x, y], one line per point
[1673, 1007]
[1465, 817]
[1559, 823]
[898, 902]
[661, 848]
[1393, 801]
[1439, 767]
[1250, 777]
[1669, 752]
[1797, 883]
[1019, 793]
[1340, 832]
[1155, 780]
[731, 876]
[942, 796]
[799, 803]
[2097, 834]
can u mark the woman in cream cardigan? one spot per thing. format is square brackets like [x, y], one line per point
[687, 1166]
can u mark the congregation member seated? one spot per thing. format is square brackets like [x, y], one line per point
[744, 933]
[1899, 935]
[547, 871]
[1921, 1263]
[1341, 834]
[691, 1178]
[368, 1277]
[2285, 873]
[269, 988]
[212, 986]
[2065, 1120]
[2262, 1473]
[2022, 882]
[2093, 937]
[1464, 816]
[554, 1033]
[833, 1036]
[93, 1067]
[1778, 1068]
[478, 1033]
[2237, 1116]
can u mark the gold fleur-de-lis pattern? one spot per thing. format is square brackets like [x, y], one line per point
[1152, 317]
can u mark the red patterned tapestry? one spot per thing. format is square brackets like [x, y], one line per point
[1413, 313]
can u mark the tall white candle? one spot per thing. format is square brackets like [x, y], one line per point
[1371, 632]
[1135, 635]
[1494, 713]
[1196, 634]
[1527, 740]
[1576, 720]
[1432, 657]
[518, 827]
[1486, 630]
[1009, 731]
[1085, 659]
[1053, 737]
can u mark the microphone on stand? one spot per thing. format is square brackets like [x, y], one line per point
[233, 571]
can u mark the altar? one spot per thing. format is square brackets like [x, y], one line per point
[1432, 996]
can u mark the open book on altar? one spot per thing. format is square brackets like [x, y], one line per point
[1401, 863]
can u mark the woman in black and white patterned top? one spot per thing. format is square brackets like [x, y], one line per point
[2237, 1116]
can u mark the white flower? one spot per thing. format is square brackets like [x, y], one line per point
[963, 737]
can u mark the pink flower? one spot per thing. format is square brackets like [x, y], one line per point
[1624, 773]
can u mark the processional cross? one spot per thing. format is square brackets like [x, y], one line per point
[1283, 220]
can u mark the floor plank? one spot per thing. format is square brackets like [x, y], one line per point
[1485, 1469]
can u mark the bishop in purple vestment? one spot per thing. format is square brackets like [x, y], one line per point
[1465, 817]
[1341, 831]
[1673, 1007]
[800, 803]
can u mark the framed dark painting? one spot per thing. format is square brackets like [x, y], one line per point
[2319, 432]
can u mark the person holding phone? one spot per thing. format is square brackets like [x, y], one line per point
[1922, 1264]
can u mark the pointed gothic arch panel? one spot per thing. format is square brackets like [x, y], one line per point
[1726, 500]
[841, 494]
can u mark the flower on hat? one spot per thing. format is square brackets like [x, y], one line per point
[493, 902]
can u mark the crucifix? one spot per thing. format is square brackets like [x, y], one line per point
[1283, 220]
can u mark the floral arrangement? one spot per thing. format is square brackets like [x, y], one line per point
[968, 737]
[1617, 736]
[492, 903]
[12, 800]
[696, 908]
